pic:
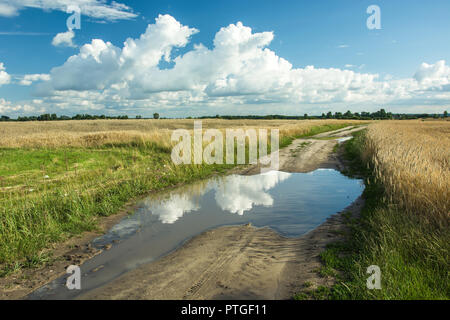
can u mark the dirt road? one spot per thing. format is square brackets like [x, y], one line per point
[242, 262]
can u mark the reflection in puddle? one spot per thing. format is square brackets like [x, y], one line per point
[237, 194]
[234, 194]
[290, 203]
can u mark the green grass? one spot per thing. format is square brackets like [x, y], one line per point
[91, 183]
[325, 138]
[287, 140]
[48, 195]
[412, 254]
[323, 128]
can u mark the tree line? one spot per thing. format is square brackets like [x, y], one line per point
[378, 115]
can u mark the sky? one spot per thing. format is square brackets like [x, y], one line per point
[193, 58]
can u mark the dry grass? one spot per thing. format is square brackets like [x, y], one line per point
[95, 133]
[411, 159]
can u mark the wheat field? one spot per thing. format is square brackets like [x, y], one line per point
[95, 133]
[412, 160]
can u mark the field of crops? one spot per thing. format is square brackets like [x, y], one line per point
[412, 160]
[95, 133]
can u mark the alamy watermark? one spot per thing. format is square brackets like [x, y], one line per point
[186, 152]
[74, 21]
[374, 281]
[74, 280]
[374, 20]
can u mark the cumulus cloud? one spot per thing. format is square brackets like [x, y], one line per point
[64, 39]
[6, 107]
[433, 75]
[28, 79]
[98, 9]
[5, 78]
[239, 65]
[100, 64]
[239, 70]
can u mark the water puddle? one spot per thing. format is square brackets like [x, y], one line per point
[290, 203]
[342, 140]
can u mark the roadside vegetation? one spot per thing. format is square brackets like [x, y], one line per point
[404, 225]
[58, 178]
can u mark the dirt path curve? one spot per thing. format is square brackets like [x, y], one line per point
[242, 262]
[305, 155]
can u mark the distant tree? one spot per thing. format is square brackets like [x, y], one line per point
[329, 115]
[44, 117]
[348, 114]
[4, 118]
[305, 116]
[156, 115]
[138, 117]
[445, 114]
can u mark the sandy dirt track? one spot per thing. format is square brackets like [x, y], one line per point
[242, 262]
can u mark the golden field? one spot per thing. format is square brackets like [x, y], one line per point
[94, 133]
[412, 160]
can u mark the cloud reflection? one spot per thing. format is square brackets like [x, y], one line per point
[238, 194]
[235, 194]
[172, 209]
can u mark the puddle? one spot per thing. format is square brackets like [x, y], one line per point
[341, 140]
[290, 203]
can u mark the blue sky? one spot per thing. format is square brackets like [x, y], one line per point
[402, 67]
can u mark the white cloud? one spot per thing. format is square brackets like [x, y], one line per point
[239, 73]
[7, 10]
[433, 75]
[8, 108]
[101, 64]
[64, 39]
[98, 9]
[28, 79]
[5, 78]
